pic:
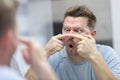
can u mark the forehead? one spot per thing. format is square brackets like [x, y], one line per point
[75, 21]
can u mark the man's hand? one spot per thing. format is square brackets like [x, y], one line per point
[54, 45]
[87, 46]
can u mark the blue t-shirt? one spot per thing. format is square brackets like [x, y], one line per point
[67, 70]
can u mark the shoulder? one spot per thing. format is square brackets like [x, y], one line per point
[111, 58]
[104, 49]
[57, 58]
[108, 53]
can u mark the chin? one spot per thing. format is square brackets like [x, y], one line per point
[72, 51]
[74, 54]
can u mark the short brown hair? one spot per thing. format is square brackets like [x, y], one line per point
[82, 11]
[8, 10]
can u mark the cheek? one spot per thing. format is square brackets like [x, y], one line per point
[88, 31]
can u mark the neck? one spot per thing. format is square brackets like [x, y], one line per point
[74, 56]
[4, 59]
[4, 62]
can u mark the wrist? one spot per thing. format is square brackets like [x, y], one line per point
[95, 57]
[47, 53]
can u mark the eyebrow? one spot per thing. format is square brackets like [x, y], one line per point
[74, 27]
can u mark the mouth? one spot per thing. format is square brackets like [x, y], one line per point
[71, 46]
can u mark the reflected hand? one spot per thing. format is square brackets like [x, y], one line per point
[54, 45]
[87, 46]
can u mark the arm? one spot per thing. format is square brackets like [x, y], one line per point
[31, 75]
[87, 48]
[35, 55]
[102, 70]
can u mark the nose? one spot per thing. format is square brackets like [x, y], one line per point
[71, 32]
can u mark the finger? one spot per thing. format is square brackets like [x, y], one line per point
[79, 50]
[88, 36]
[61, 36]
[80, 46]
[59, 42]
[59, 45]
[59, 48]
[80, 37]
[26, 55]
[82, 42]
[23, 40]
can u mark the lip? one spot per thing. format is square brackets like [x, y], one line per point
[70, 45]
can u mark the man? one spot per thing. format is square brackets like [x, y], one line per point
[81, 58]
[8, 44]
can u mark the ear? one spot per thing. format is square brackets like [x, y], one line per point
[93, 33]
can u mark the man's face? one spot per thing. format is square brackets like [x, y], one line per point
[74, 25]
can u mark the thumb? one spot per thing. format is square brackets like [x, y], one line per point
[26, 55]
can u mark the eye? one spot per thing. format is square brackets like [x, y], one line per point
[66, 30]
[78, 31]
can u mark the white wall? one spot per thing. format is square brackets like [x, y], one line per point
[40, 20]
[115, 10]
